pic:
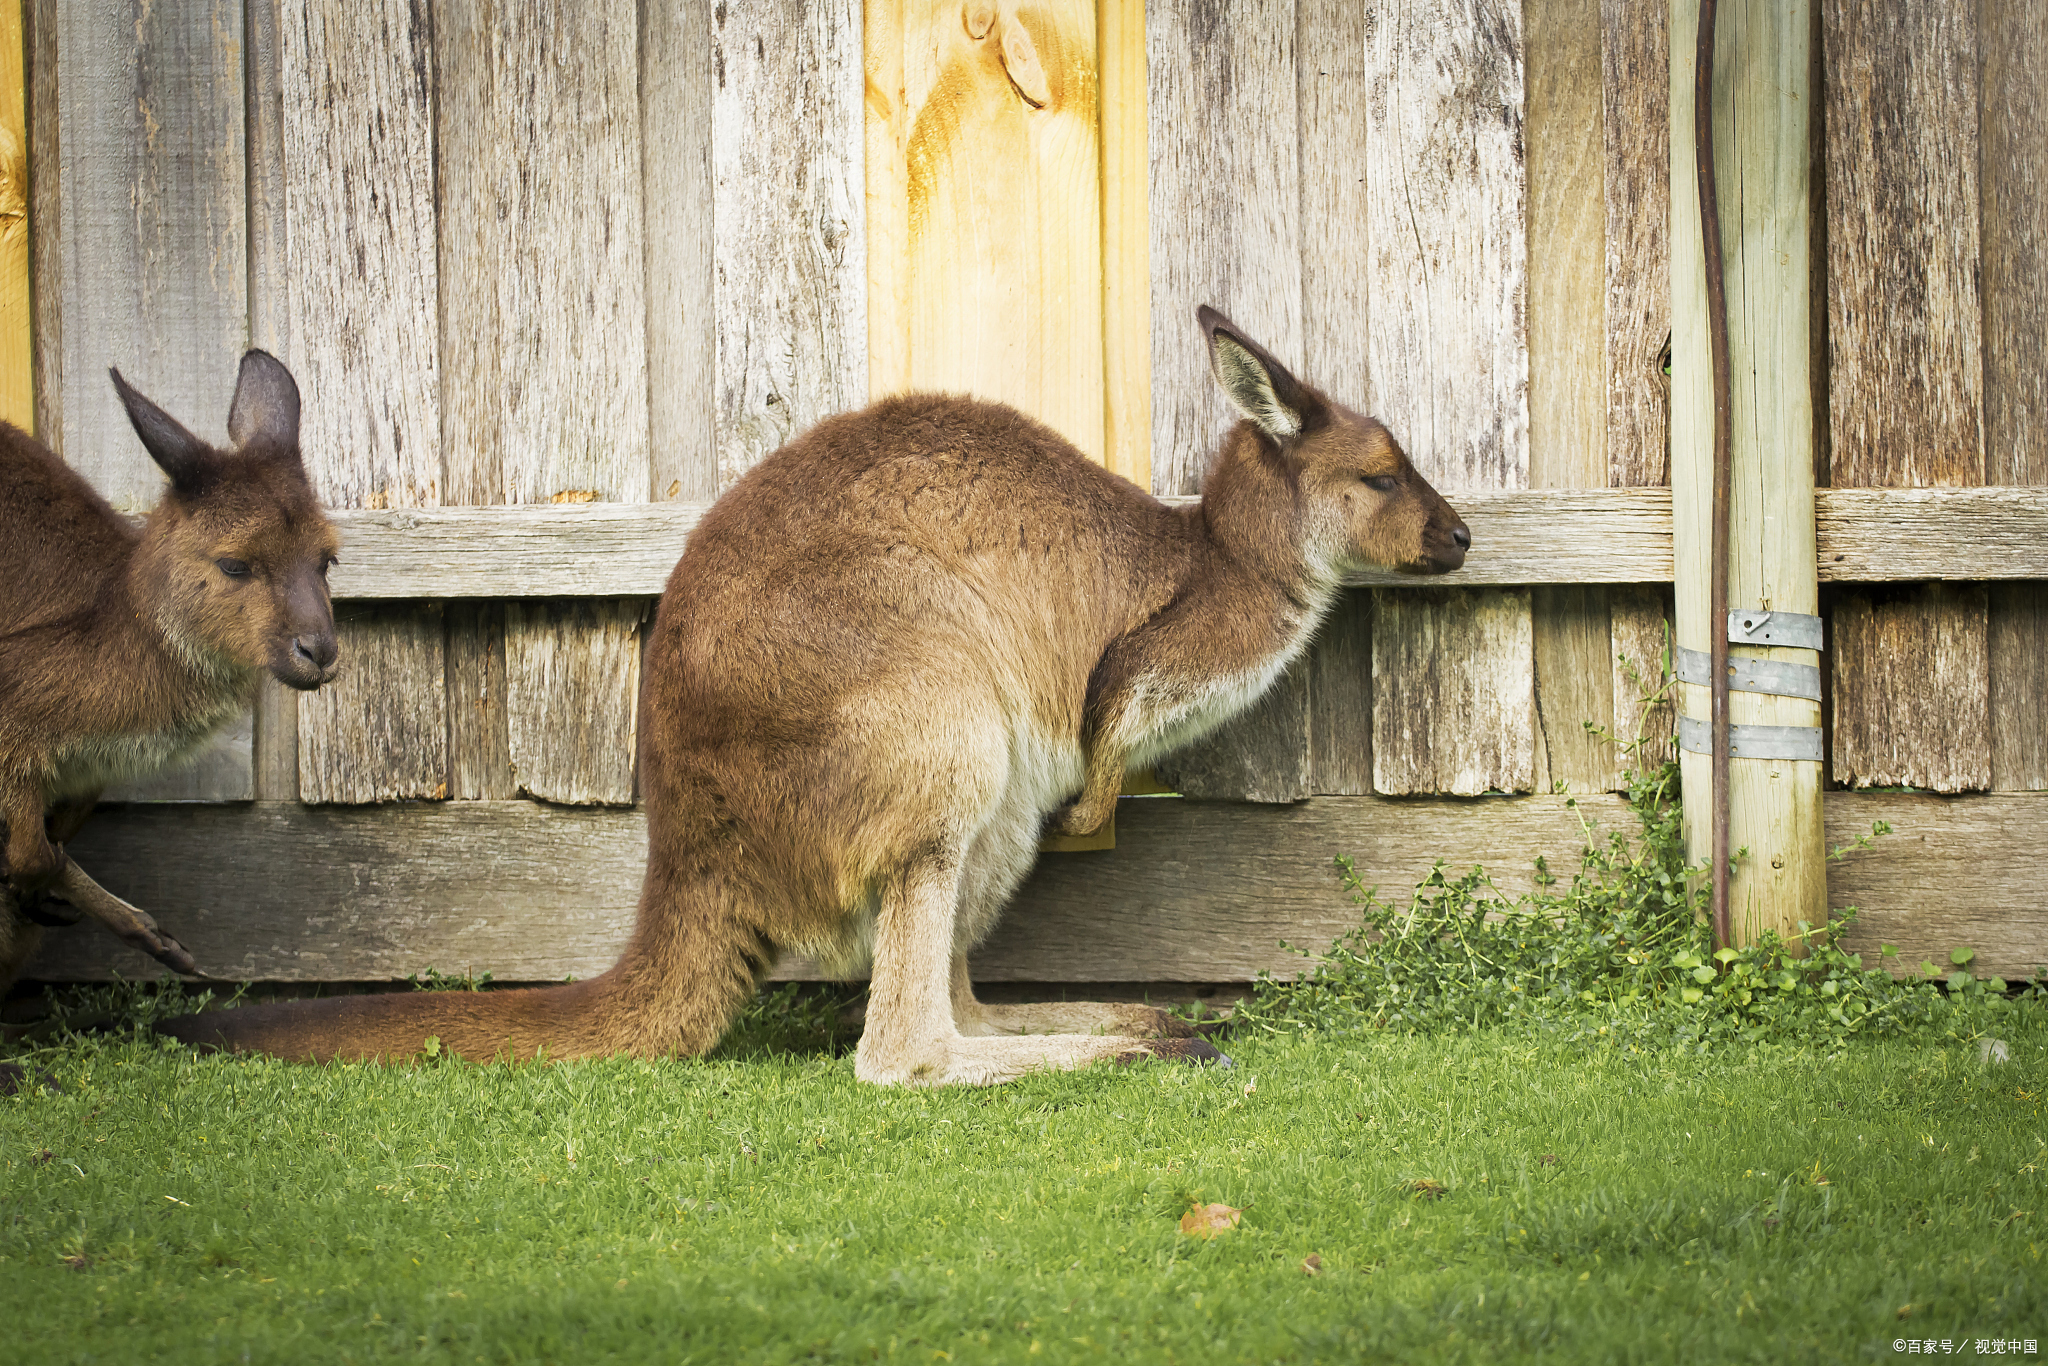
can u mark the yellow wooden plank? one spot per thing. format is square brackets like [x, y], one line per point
[1126, 241]
[17, 387]
[888, 200]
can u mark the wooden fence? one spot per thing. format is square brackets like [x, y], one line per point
[551, 277]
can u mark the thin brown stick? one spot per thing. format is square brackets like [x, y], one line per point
[1717, 331]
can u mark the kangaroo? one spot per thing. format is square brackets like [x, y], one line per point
[891, 656]
[122, 650]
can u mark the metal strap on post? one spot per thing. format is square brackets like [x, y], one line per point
[1777, 678]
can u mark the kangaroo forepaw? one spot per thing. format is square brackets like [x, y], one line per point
[130, 924]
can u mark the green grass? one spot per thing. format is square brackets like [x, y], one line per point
[1763, 1203]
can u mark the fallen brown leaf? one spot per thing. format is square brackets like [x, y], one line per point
[1208, 1221]
[1312, 1265]
[1426, 1189]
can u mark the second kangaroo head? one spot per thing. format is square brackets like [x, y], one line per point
[235, 557]
[1363, 503]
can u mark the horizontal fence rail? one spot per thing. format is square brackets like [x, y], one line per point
[1534, 536]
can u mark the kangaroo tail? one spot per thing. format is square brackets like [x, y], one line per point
[691, 967]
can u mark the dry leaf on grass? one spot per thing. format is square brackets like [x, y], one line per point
[1209, 1220]
[1426, 1189]
[1312, 1265]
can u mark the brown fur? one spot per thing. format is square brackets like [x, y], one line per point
[892, 655]
[122, 649]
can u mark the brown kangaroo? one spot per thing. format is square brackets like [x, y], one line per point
[891, 656]
[122, 649]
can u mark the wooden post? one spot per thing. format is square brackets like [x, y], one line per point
[17, 388]
[1765, 92]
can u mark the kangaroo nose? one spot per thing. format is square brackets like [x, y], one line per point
[1463, 538]
[319, 651]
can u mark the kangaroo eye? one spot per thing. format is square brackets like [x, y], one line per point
[234, 569]
[1380, 483]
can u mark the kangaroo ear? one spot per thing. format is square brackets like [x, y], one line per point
[266, 406]
[1258, 386]
[180, 454]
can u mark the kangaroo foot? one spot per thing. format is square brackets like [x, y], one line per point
[14, 1078]
[960, 1061]
[1076, 1017]
[130, 924]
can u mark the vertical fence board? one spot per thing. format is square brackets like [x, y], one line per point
[46, 218]
[1002, 273]
[1643, 708]
[1340, 699]
[1126, 241]
[676, 79]
[1225, 206]
[1449, 374]
[379, 732]
[544, 343]
[1910, 692]
[1906, 376]
[1906, 381]
[479, 731]
[17, 336]
[1227, 196]
[567, 667]
[1636, 134]
[1336, 263]
[150, 262]
[153, 239]
[1567, 381]
[363, 295]
[2014, 127]
[791, 253]
[1438, 724]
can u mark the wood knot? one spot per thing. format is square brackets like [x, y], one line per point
[980, 17]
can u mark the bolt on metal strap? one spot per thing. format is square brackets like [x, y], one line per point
[1779, 678]
[1789, 630]
[1754, 742]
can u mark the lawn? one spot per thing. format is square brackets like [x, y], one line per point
[1473, 1197]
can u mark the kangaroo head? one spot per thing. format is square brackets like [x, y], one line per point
[234, 560]
[1362, 502]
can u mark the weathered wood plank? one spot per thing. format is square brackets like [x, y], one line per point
[1905, 387]
[1906, 379]
[479, 730]
[1340, 699]
[362, 738]
[1877, 535]
[1225, 211]
[2018, 647]
[545, 390]
[1444, 157]
[1640, 617]
[362, 282]
[1197, 891]
[544, 315]
[153, 241]
[1911, 692]
[1449, 369]
[572, 678]
[274, 748]
[1573, 656]
[531, 892]
[1635, 60]
[676, 81]
[1439, 724]
[1260, 756]
[1955, 871]
[606, 550]
[2013, 126]
[791, 251]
